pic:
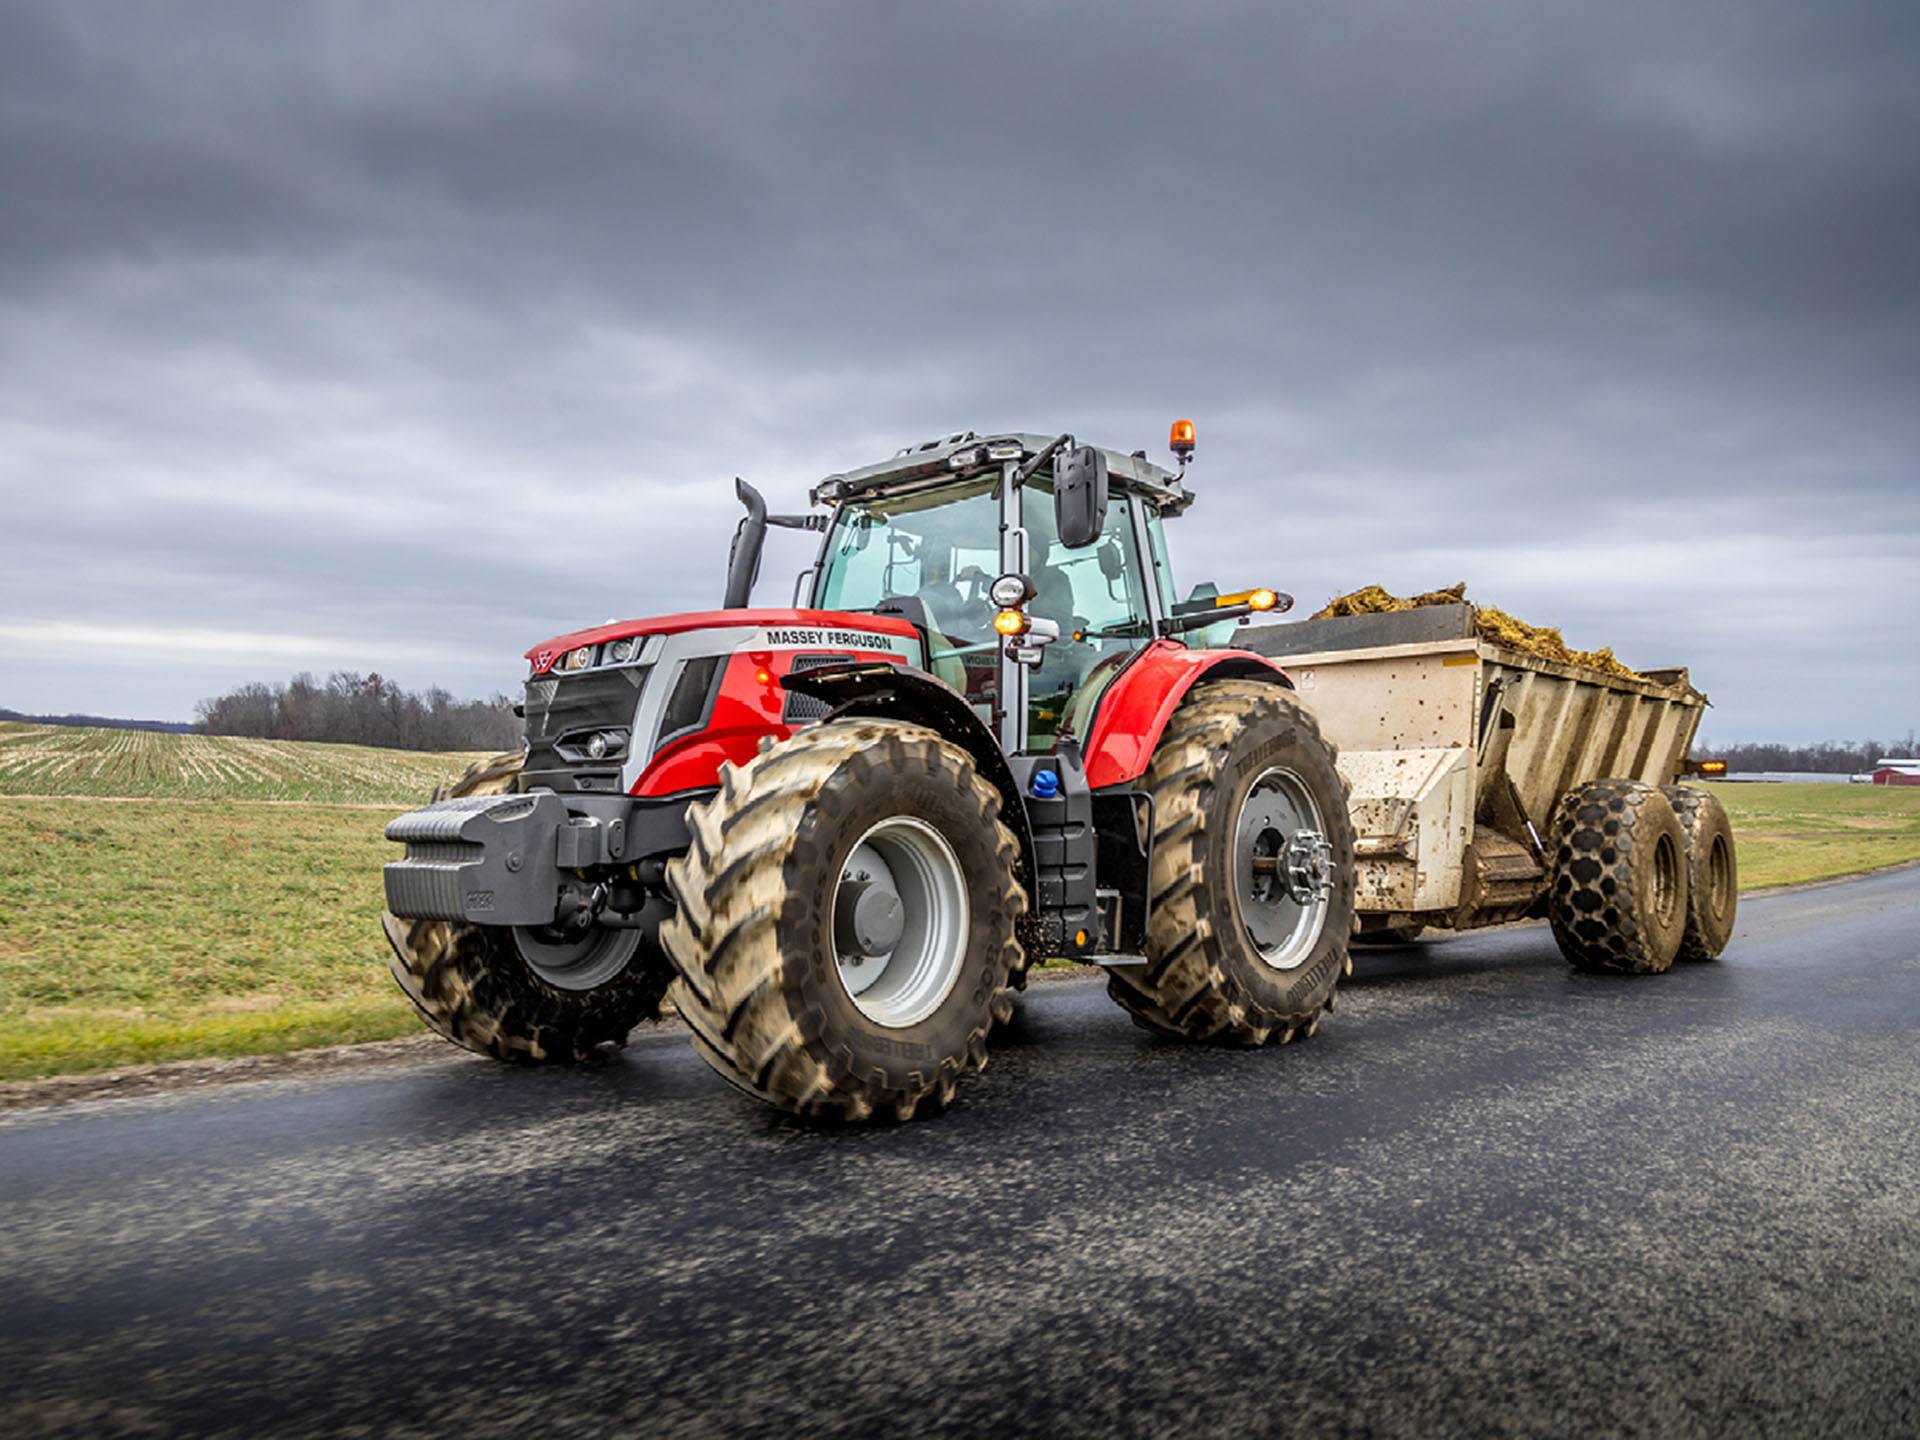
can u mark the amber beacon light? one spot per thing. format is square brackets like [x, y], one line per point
[1180, 439]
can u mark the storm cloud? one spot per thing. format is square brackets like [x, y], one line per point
[401, 337]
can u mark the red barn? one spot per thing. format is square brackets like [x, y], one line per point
[1897, 772]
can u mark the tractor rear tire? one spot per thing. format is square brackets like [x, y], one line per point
[1618, 897]
[1206, 976]
[770, 897]
[470, 984]
[1713, 888]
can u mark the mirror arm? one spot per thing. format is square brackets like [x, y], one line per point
[1201, 619]
[1032, 467]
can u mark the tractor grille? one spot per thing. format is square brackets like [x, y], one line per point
[563, 711]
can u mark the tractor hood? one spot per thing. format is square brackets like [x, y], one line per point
[783, 630]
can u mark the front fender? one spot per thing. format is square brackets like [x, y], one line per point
[1134, 710]
[901, 692]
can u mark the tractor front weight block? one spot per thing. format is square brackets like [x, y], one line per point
[515, 859]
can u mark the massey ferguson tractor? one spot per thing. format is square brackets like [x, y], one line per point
[839, 835]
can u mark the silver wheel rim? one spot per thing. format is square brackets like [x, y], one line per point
[569, 962]
[1283, 874]
[899, 963]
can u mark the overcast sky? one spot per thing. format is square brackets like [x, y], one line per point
[401, 337]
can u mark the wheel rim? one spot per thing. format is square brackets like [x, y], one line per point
[900, 918]
[1282, 868]
[1666, 879]
[575, 962]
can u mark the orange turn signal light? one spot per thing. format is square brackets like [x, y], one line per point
[1261, 599]
[1010, 622]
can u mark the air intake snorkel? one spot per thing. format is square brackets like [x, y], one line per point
[743, 559]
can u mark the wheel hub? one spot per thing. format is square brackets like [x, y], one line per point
[1284, 868]
[900, 920]
[570, 958]
[1307, 866]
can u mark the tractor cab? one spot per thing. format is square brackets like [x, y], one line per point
[933, 549]
[1033, 568]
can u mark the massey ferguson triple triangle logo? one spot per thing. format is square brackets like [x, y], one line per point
[543, 660]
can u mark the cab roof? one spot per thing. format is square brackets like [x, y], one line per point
[941, 461]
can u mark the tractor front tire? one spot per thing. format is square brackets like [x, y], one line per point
[1618, 897]
[845, 930]
[470, 983]
[1236, 755]
[1713, 888]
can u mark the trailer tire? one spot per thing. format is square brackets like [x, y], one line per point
[760, 937]
[1205, 976]
[1618, 897]
[470, 984]
[1713, 888]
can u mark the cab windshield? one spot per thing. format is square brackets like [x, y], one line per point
[943, 550]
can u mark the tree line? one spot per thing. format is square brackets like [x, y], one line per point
[98, 722]
[1826, 757]
[352, 709]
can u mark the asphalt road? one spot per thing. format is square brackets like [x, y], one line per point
[1490, 1196]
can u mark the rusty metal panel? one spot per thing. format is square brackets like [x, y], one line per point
[1412, 817]
[1399, 697]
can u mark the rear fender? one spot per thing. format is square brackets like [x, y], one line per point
[900, 692]
[1134, 709]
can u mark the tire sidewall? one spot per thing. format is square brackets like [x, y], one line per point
[1658, 830]
[1705, 825]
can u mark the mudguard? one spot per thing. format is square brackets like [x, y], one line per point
[1135, 707]
[901, 692]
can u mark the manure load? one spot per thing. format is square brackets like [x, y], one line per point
[1490, 784]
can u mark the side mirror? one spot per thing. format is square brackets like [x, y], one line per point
[1079, 496]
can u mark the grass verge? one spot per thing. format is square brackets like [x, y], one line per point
[140, 932]
[1786, 834]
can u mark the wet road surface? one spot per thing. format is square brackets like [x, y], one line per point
[1491, 1196]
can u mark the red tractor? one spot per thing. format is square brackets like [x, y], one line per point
[840, 834]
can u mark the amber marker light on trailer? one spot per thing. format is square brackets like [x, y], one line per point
[1713, 767]
[1010, 622]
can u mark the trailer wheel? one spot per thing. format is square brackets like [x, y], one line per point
[1252, 872]
[1713, 889]
[524, 997]
[845, 927]
[1618, 898]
